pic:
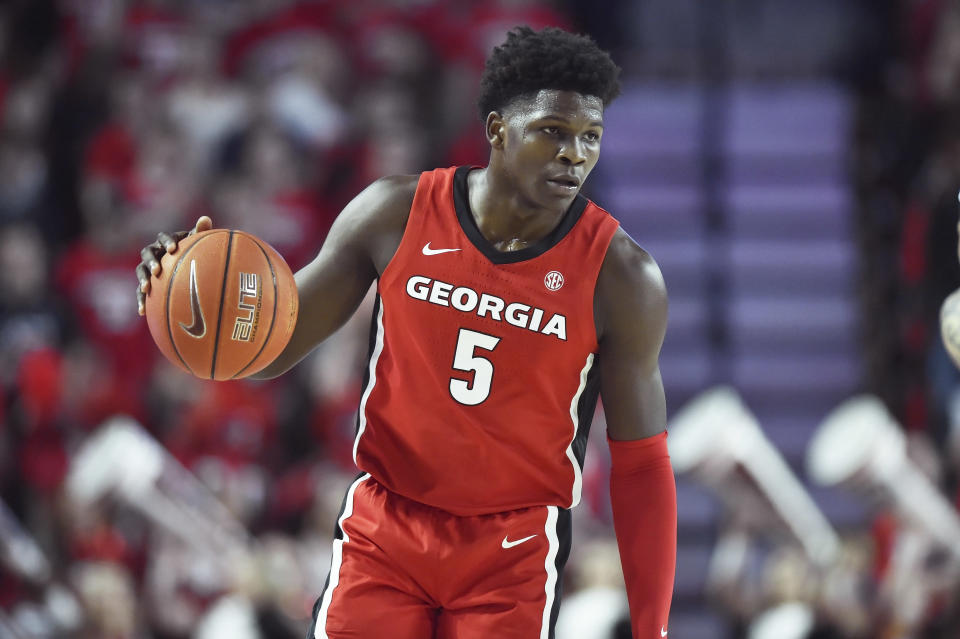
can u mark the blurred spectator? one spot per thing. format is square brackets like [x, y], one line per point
[202, 103]
[942, 73]
[108, 594]
[23, 169]
[180, 586]
[162, 185]
[265, 192]
[267, 44]
[31, 318]
[92, 276]
[111, 152]
[595, 601]
[154, 38]
[303, 98]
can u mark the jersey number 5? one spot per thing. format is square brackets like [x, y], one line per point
[465, 359]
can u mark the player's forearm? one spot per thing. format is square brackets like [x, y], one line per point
[327, 300]
[644, 498]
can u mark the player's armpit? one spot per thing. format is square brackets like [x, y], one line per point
[361, 242]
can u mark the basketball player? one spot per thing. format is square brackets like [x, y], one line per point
[506, 302]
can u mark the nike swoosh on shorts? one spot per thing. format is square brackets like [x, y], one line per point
[510, 544]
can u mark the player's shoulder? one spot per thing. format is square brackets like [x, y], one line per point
[628, 265]
[381, 208]
[375, 219]
[392, 194]
[630, 294]
[396, 185]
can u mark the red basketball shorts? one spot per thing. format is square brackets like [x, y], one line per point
[404, 570]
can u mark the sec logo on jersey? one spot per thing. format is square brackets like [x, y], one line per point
[553, 280]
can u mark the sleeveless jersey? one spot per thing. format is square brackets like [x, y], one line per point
[483, 373]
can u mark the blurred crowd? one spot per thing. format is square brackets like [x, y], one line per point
[897, 575]
[896, 572]
[122, 118]
[907, 172]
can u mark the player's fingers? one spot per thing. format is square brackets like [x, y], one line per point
[204, 223]
[149, 258]
[143, 277]
[167, 241]
[141, 300]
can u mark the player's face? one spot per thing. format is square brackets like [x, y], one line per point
[551, 143]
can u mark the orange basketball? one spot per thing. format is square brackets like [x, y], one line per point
[224, 305]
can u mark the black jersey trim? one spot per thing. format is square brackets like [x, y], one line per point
[586, 407]
[374, 331]
[461, 203]
[338, 534]
[564, 542]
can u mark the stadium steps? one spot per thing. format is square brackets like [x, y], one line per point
[784, 254]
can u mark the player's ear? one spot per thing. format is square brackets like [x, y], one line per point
[496, 129]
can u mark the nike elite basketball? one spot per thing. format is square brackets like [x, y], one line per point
[224, 305]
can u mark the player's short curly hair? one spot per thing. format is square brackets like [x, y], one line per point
[549, 59]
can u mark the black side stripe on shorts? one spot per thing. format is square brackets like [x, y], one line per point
[565, 539]
[337, 536]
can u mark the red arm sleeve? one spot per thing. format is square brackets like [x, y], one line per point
[644, 498]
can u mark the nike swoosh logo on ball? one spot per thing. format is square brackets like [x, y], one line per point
[429, 251]
[197, 328]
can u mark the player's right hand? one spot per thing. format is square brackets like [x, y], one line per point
[151, 254]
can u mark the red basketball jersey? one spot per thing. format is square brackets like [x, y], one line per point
[483, 373]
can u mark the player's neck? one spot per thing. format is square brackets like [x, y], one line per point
[505, 218]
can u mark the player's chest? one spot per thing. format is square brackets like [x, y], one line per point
[540, 301]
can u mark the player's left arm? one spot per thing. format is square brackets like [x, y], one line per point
[631, 316]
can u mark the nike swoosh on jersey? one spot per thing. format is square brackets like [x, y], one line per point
[430, 251]
[197, 328]
[517, 542]
[663, 632]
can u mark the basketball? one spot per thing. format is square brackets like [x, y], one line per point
[224, 305]
[950, 325]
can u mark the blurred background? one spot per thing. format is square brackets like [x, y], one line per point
[792, 166]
